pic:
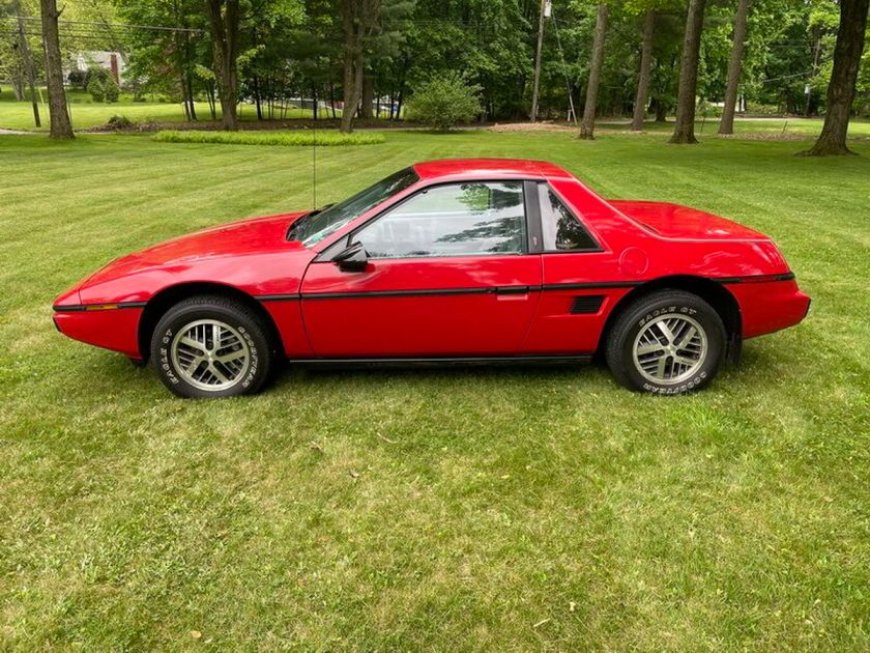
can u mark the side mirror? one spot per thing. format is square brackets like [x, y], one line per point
[352, 259]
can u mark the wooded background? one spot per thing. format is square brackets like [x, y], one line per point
[657, 56]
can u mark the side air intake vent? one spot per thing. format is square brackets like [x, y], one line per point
[586, 304]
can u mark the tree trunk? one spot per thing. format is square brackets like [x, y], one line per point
[258, 100]
[18, 83]
[211, 101]
[183, 86]
[332, 97]
[817, 54]
[27, 64]
[61, 126]
[587, 127]
[841, 89]
[536, 82]
[225, 31]
[661, 110]
[684, 129]
[726, 125]
[400, 100]
[352, 53]
[368, 96]
[190, 99]
[643, 78]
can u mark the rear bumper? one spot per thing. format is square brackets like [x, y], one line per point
[770, 306]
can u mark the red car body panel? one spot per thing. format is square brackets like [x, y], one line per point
[532, 304]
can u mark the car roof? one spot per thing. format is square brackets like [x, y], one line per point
[484, 167]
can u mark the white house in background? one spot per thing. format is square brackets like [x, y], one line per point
[111, 61]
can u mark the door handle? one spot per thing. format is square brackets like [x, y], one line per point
[512, 290]
[511, 293]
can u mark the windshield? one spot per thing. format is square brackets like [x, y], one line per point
[316, 226]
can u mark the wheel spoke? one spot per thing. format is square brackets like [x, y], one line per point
[665, 331]
[650, 348]
[231, 357]
[216, 372]
[660, 368]
[191, 342]
[685, 360]
[686, 337]
[194, 364]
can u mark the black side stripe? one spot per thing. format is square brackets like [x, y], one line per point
[500, 290]
[104, 306]
[756, 278]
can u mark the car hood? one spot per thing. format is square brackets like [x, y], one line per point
[246, 237]
[676, 221]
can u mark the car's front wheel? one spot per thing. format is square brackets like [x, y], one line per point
[669, 342]
[210, 346]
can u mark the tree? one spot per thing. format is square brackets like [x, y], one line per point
[27, 62]
[587, 127]
[358, 19]
[61, 126]
[224, 17]
[841, 88]
[684, 129]
[726, 124]
[643, 78]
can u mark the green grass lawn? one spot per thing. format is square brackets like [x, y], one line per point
[770, 127]
[446, 510]
[19, 115]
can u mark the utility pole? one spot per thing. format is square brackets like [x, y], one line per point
[545, 13]
[24, 51]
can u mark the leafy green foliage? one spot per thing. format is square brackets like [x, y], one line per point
[294, 138]
[119, 121]
[101, 86]
[445, 101]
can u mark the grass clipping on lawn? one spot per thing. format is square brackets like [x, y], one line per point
[300, 138]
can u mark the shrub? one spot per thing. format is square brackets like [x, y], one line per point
[119, 122]
[299, 138]
[97, 89]
[101, 86]
[445, 101]
[78, 78]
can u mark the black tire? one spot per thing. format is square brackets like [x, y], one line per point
[246, 337]
[639, 341]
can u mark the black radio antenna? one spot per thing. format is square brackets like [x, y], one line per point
[314, 156]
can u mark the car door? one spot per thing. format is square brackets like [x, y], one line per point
[447, 275]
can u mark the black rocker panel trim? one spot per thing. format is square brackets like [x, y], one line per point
[444, 360]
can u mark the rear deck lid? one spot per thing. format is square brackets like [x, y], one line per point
[676, 221]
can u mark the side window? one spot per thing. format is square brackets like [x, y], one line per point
[472, 218]
[562, 231]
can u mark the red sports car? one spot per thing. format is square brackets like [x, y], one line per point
[454, 260]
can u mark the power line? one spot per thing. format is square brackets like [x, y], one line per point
[123, 26]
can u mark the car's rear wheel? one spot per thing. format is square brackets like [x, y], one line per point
[669, 342]
[210, 346]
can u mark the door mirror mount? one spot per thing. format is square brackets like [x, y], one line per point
[352, 258]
